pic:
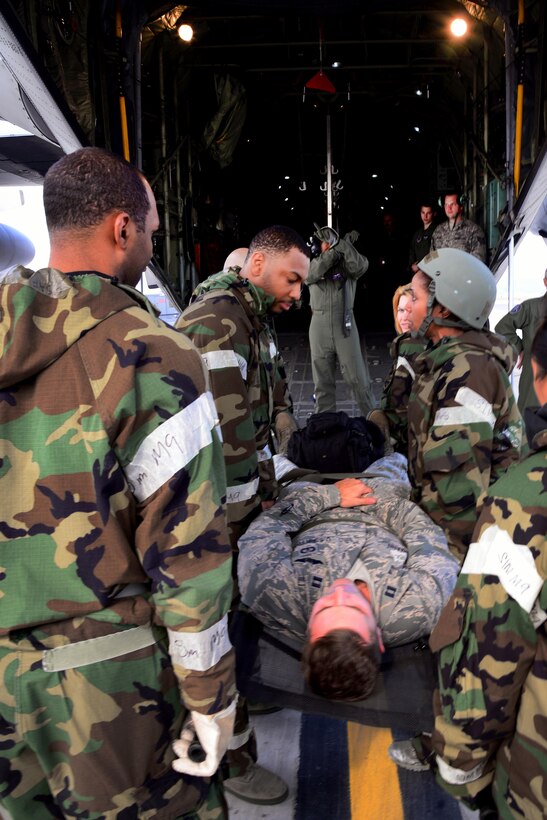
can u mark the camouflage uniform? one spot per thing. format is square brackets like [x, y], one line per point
[526, 317]
[492, 712]
[465, 235]
[464, 429]
[291, 554]
[397, 386]
[227, 323]
[332, 281]
[114, 547]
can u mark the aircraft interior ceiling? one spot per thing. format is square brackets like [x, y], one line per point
[246, 124]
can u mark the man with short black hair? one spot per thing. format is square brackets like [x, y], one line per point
[421, 240]
[116, 564]
[355, 562]
[228, 321]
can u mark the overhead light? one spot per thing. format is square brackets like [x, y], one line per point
[286, 177]
[417, 129]
[458, 27]
[337, 64]
[186, 32]
[375, 176]
[419, 92]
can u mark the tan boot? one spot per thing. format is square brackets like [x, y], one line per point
[258, 785]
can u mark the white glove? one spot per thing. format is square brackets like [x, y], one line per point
[214, 733]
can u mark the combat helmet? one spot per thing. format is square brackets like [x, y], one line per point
[461, 283]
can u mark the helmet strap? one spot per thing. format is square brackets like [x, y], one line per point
[424, 327]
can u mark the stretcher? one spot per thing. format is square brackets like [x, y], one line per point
[269, 671]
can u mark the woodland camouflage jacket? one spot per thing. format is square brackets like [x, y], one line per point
[491, 718]
[398, 384]
[464, 429]
[227, 323]
[111, 472]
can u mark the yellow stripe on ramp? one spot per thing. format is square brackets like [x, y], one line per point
[374, 785]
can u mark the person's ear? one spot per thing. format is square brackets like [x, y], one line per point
[122, 229]
[255, 266]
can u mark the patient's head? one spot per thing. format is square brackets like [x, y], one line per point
[342, 655]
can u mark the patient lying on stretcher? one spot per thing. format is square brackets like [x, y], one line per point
[343, 569]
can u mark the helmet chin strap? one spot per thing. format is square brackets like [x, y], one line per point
[424, 327]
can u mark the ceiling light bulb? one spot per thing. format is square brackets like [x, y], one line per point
[458, 27]
[186, 32]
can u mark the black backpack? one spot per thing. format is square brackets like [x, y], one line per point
[336, 443]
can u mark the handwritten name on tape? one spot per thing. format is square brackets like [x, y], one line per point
[200, 651]
[496, 554]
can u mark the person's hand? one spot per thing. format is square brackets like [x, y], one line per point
[213, 732]
[267, 505]
[353, 493]
[352, 236]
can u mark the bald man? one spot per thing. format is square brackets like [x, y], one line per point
[236, 258]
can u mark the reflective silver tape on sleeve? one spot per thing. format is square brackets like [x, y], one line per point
[199, 651]
[402, 362]
[242, 492]
[458, 776]
[495, 553]
[264, 454]
[273, 350]
[171, 446]
[221, 359]
[473, 408]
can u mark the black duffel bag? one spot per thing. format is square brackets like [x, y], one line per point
[336, 443]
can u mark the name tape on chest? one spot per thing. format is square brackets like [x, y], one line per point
[171, 446]
[223, 359]
[471, 409]
[496, 554]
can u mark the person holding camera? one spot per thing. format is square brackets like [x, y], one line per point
[333, 335]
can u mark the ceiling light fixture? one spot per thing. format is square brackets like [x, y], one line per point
[186, 32]
[458, 27]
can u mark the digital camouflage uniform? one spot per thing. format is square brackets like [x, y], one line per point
[332, 281]
[526, 317]
[397, 386]
[291, 554]
[112, 524]
[227, 323]
[491, 717]
[464, 428]
[465, 235]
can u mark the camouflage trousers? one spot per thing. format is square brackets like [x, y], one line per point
[94, 741]
[242, 752]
